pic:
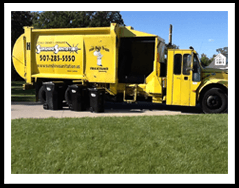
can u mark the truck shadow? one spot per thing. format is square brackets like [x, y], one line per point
[140, 107]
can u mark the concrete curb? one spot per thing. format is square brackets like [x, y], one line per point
[35, 110]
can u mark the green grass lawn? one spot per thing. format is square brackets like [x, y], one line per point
[18, 94]
[191, 144]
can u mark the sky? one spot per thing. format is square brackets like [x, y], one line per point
[205, 31]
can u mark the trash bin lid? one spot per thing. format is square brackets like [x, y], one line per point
[73, 86]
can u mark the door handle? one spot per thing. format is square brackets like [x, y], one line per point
[185, 78]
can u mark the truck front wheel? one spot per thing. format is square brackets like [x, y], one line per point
[214, 101]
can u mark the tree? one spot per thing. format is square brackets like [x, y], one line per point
[104, 18]
[205, 60]
[18, 20]
[223, 51]
[75, 19]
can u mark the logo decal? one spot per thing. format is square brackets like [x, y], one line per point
[56, 48]
[99, 56]
[97, 53]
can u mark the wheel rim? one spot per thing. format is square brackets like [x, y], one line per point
[214, 102]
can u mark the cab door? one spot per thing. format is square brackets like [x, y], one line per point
[186, 79]
[182, 78]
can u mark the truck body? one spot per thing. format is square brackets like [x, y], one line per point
[128, 64]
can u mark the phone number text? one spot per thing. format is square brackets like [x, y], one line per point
[57, 58]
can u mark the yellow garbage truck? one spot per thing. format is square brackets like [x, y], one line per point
[83, 67]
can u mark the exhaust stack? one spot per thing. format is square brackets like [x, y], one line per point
[170, 34]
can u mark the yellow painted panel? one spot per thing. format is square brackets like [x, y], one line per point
[186, 82]
[61, 51]
[59, 54]
[81, 31]
[169, 89]
[18, 56]
[130, 32]
[186, 89]
[100, 59]
[193, 94]
[176, 89]
[58, 76]
[153, 84]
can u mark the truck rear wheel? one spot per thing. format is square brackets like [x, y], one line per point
[214, 101]
[68, 96]
[42, 94]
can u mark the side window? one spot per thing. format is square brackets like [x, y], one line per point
[186, 63]
[195, 64]
[196, 69]
[177, 64]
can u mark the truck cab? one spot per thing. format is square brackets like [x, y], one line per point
[183, 77]
[188, 83]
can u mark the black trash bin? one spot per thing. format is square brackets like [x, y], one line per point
[77, 97]
[54, 96]
[97, 99]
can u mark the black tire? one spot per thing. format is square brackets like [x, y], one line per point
[214, 101]
[68, 96]
[42, 95]
[91, 109]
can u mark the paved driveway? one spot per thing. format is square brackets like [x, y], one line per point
[35, 110]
